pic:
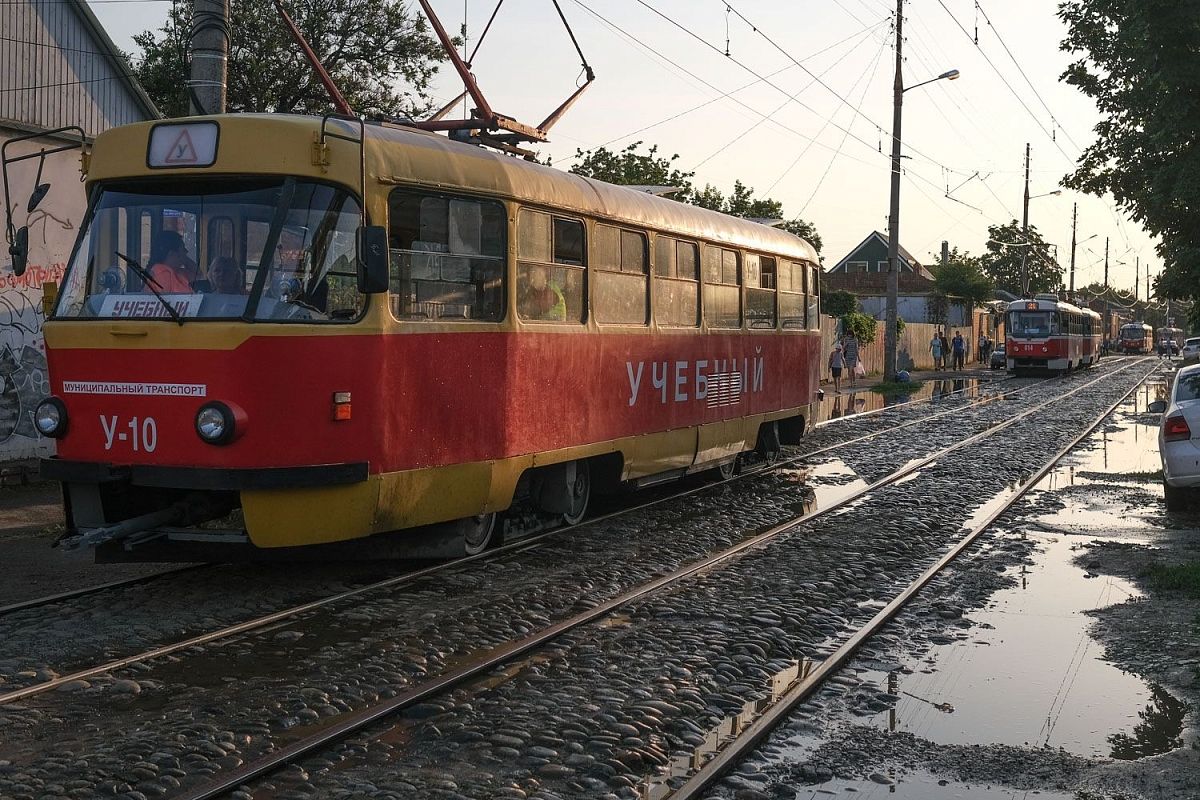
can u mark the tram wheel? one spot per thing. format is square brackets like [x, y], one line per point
[581, 493]
[728, 469]
[480, 532]
[768, 448]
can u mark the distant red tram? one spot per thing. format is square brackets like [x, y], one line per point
[1047, 334]
[1136, 338]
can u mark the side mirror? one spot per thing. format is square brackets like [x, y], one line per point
[36, 197]
[372, 259]
[19, 250]
[1157, 407]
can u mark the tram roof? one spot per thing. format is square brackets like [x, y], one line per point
[1043, 304]
[409, 155]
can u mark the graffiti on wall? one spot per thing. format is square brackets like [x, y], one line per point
[52, 228]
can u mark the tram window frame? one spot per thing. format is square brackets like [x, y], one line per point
[556, 260]
[761, 311]
[813, 291]
[486, 270]
[722, 271]
[792, 297]
[676, 297]
[620, 260]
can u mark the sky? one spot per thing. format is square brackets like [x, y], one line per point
[801, 108]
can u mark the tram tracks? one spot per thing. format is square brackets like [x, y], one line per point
[264, 621]
[350, 723]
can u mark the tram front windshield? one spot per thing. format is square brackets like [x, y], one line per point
[1029, 324]
[1134, 334]
[278, 249]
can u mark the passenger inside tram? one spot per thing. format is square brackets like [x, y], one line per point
[226, 277]
[540, 298]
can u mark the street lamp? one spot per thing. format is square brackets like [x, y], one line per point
[890, 336]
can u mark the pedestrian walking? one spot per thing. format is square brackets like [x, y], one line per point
[960, 351]
[945, 350]
[837, 362]
[935, 349]
[982, 350]
[850, 354]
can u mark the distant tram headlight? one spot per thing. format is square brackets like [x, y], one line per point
[50, 417]
[215, 423]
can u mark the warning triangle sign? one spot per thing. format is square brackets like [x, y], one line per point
[182, 151]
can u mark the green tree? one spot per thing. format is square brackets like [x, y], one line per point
[962, 276]
[379, 53]
[839, 303]
[1010, 253]
[861, 325]
[1139, 60]
[631, 167]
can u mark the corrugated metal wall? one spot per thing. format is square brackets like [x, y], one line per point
[53, 72]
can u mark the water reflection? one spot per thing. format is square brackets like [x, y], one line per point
[837, 406]
[1158, 732]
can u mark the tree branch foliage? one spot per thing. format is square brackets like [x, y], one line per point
[633, 167]
[1011, 251]
[962, 276]
[379, 53]
[1139, 60]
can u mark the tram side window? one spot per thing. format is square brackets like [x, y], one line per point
[550, 267]
[722, 294]
[814, 298]
[447, 257]
[759, 272]
[793, 278]
[619, 276]
[676, 283]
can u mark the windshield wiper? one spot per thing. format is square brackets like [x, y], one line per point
[148, 281]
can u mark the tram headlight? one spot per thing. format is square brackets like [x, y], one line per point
[50, 418]
[216, 424]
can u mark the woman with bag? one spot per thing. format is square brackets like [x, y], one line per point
[850, 353]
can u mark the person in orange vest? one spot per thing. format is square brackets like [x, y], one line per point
[171, 269]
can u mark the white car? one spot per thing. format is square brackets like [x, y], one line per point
[1179, 438]
[1191, 350]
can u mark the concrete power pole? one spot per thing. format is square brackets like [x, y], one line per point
[1137, 277]
[1074, 220]
[1025, 229]
[945, 252]
[210, 52]
[890, 336]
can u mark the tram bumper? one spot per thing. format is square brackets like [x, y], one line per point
[123, 507]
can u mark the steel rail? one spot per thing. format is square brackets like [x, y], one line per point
[398, 580]
[357, 720]
[753, 734]
[71, 594]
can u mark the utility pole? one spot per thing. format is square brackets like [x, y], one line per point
[889, 333]
[945, 252]
[209, 53]
[1106, 265]
[1074, 220]
[1025, 229]
[1137, 277]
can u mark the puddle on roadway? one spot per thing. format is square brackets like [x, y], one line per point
[825, 482]
[1031, 676]
[1034, 677]
[848, 404]
[921, 786]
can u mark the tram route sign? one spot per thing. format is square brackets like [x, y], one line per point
[175, 146]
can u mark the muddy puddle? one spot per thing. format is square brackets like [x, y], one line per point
[921, 786]
[849, 404]
[1027, 673]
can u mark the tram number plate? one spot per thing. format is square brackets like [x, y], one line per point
[140, 432]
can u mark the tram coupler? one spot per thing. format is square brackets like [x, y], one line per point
[188, 511]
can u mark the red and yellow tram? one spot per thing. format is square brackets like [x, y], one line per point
[1045, 333]
[286, 332]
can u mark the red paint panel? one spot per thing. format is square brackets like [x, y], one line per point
[423, 399]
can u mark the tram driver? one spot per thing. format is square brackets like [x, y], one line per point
[171, 269]
[539, 297]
